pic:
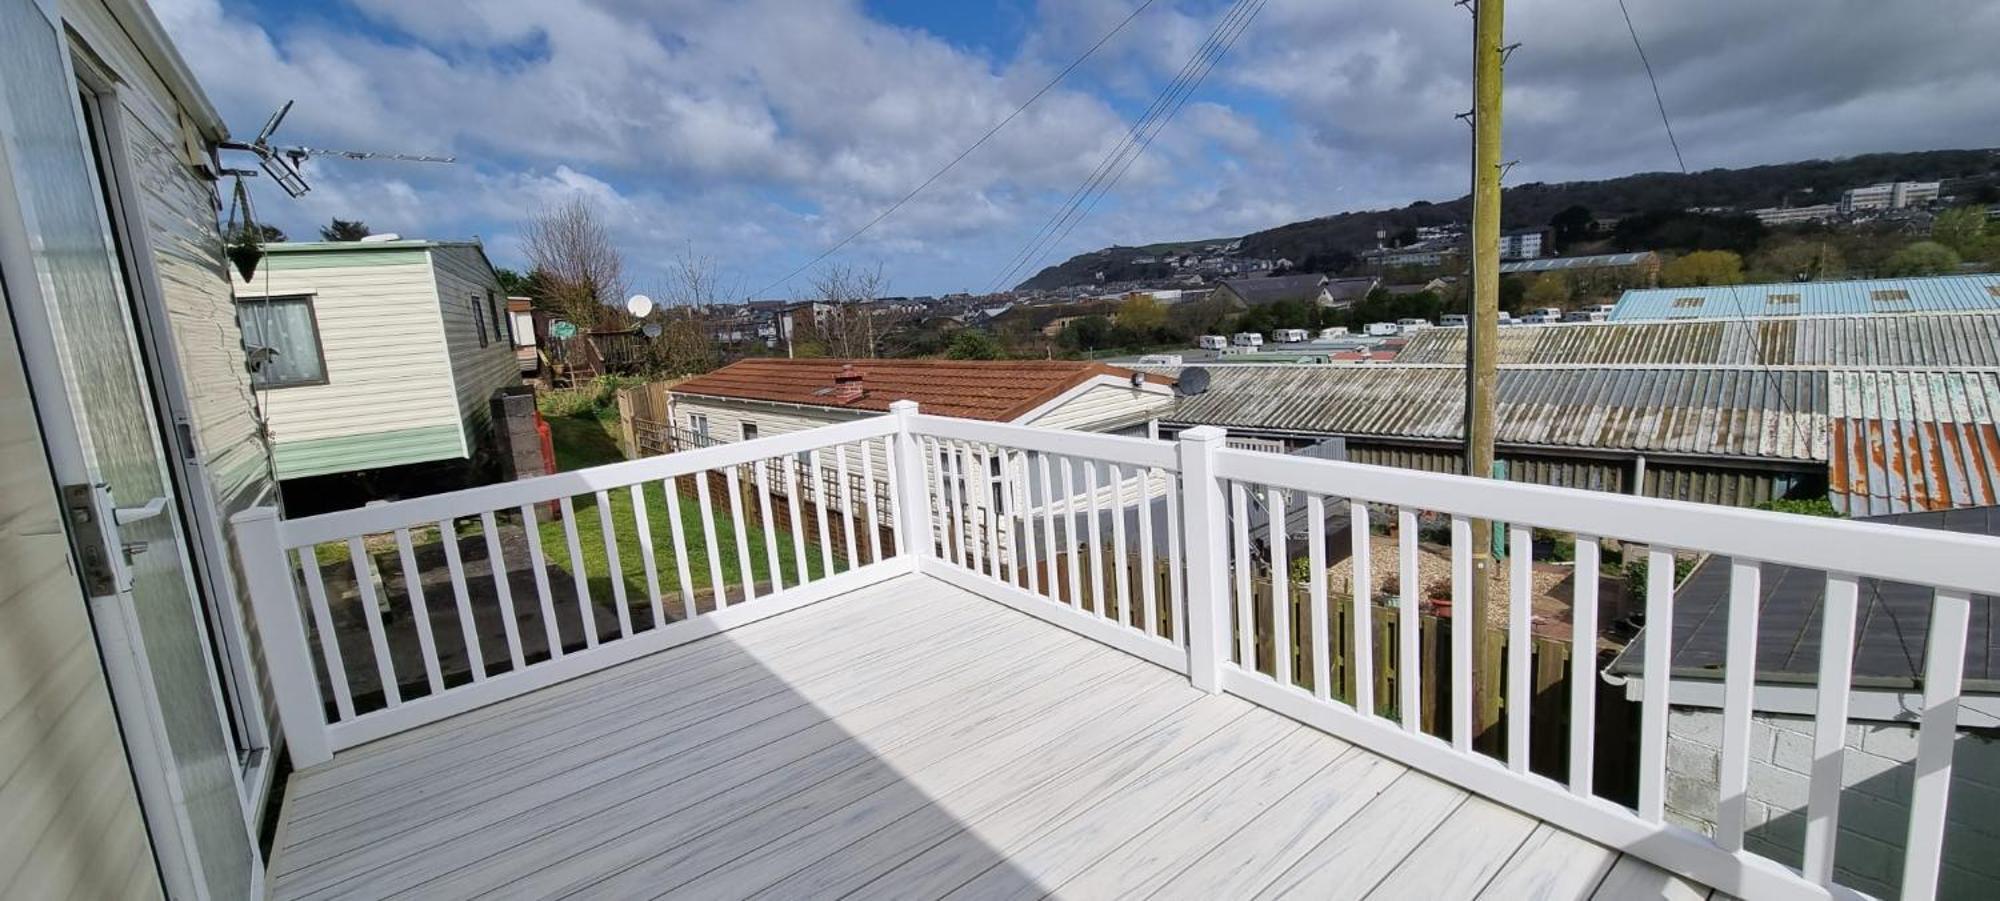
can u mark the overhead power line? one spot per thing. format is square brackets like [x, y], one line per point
[843, 242]
[1120, 158]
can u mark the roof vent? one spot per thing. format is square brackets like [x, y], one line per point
[1688, 302]
[1993, 290]
[847, 385]
[383, 238]
[1782, 299]
[1889, 295]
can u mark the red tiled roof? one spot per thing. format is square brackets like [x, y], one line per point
[994, 390]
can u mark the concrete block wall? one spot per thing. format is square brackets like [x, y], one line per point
[1874, 806]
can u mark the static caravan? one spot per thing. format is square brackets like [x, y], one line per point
[1289, 336]
[1247, 339]
[376, 354]
[1213, 342]
[1333, 332]
[1452, 320]
[1384, 329]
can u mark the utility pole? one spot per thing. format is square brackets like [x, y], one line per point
[1483, 337]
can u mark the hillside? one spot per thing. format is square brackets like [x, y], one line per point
[1326, 242]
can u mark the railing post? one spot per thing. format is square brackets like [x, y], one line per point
[275, 601]
[913, 520]
[1204, 529]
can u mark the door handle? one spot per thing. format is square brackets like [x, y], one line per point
[126, 516]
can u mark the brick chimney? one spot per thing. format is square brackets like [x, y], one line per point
[847, 385]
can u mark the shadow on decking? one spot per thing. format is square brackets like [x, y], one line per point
[710, 774]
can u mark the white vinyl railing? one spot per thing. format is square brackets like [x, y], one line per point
[435, 638]
[1178, 552]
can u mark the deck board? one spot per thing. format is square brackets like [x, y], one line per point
[908, 740]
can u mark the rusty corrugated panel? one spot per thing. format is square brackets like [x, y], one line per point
[1913, 441]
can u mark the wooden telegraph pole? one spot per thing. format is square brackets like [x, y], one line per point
[1488, 51]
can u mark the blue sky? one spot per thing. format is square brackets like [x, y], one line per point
[753, 134]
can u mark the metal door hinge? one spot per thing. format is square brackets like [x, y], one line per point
[87, 540]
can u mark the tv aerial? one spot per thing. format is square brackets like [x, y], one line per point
[285, 164]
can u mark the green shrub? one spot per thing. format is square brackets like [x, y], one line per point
[1806, 506]
[1634, 575]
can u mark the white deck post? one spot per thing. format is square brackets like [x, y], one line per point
[913, 495]
[274, 597]
[1204, 521]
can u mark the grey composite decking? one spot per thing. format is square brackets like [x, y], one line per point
[910, 740]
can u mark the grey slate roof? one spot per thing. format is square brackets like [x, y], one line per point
[1909, 340]
[1274, 288]
[1889, 632]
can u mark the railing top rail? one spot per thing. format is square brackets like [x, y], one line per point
[1113, 448]
[1931, 557]
[431, 509]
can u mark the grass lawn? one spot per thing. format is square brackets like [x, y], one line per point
[582, 441]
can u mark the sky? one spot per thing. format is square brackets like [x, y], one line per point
[752, 135]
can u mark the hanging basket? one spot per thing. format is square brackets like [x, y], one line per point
[246, 257]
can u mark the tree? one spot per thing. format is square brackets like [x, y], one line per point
[973, 344]
[344, 230]
[1922, 258]
[1549, 289]
[1573, 225]
[580, 269]
[1703, 268]
[512, 283]
[1798, 261]
[1142, 314]
[684, 345]
[1088, 333]
[1964, 230]
[846, 327]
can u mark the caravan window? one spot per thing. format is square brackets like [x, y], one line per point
[479, 320]
[284, 333]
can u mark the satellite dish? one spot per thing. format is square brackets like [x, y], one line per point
[650, 330]
[639, 305]
[1193, 381]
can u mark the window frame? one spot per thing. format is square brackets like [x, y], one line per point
[698, 424]
[503, 322]
[748, 430]
[479, 322]
[311, 301]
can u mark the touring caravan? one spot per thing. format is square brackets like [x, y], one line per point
[1212, 342]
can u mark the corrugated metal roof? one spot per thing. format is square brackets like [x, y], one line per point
[1916, 340]
[1910, 441]
[1741, 413]
[1598, 261]
[1944, 293]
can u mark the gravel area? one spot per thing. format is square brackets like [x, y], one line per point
[1551, 593]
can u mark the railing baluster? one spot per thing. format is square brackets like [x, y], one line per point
[1121, 578]
[1658, 659]
[683, 573]
[539, 561]
[371, 610]
[1520, 613]
[1739, 677]
[1030, 556]
[1463, 629]
[1583, 669]
[874, 503]
[1010, 533]
[1362, 548]
[1246, 621]
[468, 628]
[955, 501]
[642, 522]
[819, 513]
[1049, 527]
[1836, 667]
[578, 575]
[739, 529]
[1281, 586]
[709, 543]
[846, 505]
[1316, 596]
[802, 572]
[770, 526]
[613, 566]
[941, 514]
[1176, 584]
[329, 642]
[1069, 536]
[420, 612]
[496, 565]
[1149, 590]
[899, 528]
[1409, 655]
[1937, 729]
[1095, 530]
[991, 542]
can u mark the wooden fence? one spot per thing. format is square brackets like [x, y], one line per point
[645, 420]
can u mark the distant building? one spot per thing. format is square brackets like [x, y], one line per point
[1256, 292]
[1889, 196]
[1794, 215]
[1525, 244]
[1646, 261]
